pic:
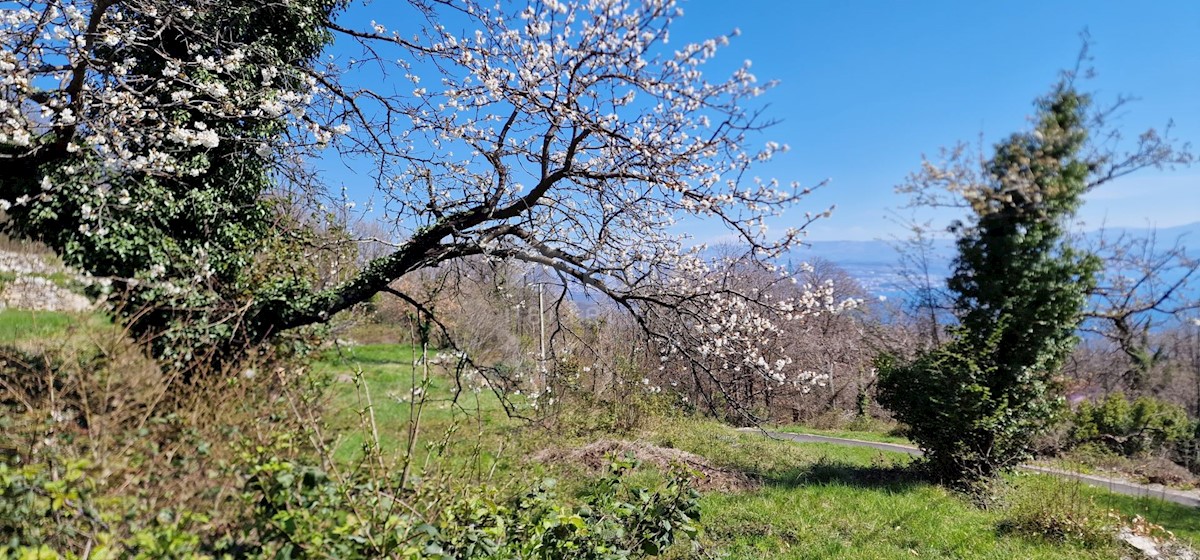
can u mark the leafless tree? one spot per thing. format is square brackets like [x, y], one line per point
[1145, 288]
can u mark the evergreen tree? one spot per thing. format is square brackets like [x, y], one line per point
[975, 403]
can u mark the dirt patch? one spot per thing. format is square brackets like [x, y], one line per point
[1143, 470]
[1159, 470]
[596, 456]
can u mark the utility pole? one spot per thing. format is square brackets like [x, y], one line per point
[542, 331]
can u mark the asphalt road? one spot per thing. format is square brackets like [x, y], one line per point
[1183, 497]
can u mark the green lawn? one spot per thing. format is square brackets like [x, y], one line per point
[830, 501]
[19, 324]
[384, 375]
[24, 326]
[813, 501]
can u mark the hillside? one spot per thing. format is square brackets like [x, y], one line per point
[761, 498]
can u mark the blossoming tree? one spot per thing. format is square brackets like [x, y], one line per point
[141, 138]
[138, 140]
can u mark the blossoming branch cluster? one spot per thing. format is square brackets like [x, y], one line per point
[75, 84]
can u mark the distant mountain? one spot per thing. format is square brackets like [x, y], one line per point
[875, 264]
[1188, 233]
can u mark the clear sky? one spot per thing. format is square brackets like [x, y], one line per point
[866, 87]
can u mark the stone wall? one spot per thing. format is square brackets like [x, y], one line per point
[31, 281]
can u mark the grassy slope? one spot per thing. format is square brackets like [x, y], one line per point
[474, 424]
[829, 501]
[816, 500]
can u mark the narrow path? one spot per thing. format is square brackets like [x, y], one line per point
[1183, 497]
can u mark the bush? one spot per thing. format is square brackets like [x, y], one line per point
[1132, 428]
[298, 511]
[54, 511]
[614, 521]
[1040, 507]
[968, 430]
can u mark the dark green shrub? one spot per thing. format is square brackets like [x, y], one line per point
[53, 511]
[613, 521]
[1132, 428]
[968, 427]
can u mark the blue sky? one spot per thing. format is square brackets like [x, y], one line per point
[866, 87]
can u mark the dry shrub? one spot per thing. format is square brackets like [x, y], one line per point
[92, 396]
[1041, 507]
[597, 456]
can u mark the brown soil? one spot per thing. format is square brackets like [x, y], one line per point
[1158, 470]
[596, 456]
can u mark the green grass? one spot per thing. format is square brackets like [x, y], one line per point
[840, 519]
[1182, 520]
[384, 375]
[812, 501]
[830, 501]
[18, 325]
[60, 279]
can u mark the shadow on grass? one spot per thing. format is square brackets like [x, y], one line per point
[892, 477]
